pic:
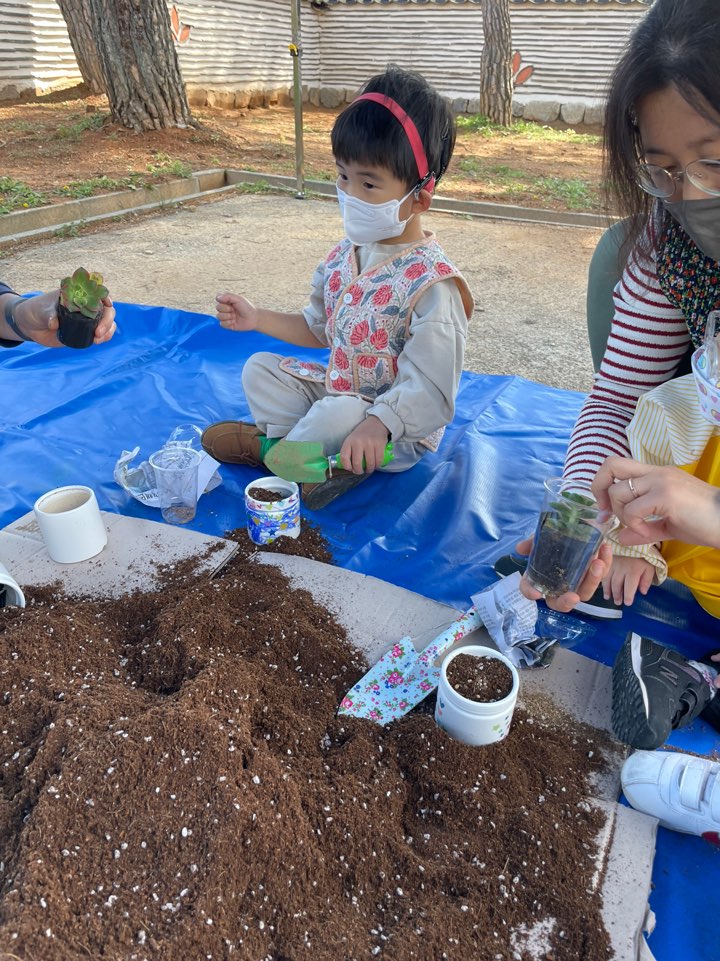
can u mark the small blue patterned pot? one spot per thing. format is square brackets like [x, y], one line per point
[268, 520]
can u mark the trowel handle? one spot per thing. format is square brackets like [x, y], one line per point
[467, 623]
[334, 461]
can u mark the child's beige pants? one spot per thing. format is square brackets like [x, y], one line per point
[285, 406]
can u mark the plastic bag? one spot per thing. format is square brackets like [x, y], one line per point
[139, 479]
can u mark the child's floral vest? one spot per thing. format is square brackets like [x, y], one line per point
[368, 318]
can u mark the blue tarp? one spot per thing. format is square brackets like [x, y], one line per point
[437, 529]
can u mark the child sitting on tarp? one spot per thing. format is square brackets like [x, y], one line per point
[387, 302]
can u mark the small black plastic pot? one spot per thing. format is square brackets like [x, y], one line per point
[559, 560]
[76, 330]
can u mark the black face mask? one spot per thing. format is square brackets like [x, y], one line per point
[700, 219]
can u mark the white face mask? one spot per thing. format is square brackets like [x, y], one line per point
[367, 223]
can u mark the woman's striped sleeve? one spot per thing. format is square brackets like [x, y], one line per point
[648, 339]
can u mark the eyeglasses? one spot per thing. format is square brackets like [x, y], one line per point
[659, 182]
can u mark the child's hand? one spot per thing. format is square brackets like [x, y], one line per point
[368, 442]
[627, 576]
[716, 658]
[236, 312]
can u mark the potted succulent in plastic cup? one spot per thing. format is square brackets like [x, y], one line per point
[80, 307]
[570, 530]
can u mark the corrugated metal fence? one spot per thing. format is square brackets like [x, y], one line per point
[241, 44]
[34, 47]
[572, 48]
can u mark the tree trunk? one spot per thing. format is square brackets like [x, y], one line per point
[139, 64]
[496, 84]
[78, 17]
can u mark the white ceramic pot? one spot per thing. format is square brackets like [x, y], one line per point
[14, 597]
[71, 524]
[475, 722]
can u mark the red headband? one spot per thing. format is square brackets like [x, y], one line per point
[427, 177]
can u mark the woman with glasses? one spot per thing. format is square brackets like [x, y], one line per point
[662, 143]
[662, 147]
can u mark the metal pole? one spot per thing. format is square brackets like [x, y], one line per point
[296, 54]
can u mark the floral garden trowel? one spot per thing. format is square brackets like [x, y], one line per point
[304, 461]
[403, 677]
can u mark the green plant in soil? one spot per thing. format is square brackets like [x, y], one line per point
[163, 165]
[79, 307]
[565, 543]
[16, 195]
[256, 187]
[68, 230]
[77, 189]
[571, 514]
[74, 131]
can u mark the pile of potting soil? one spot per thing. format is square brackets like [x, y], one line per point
[176, 785]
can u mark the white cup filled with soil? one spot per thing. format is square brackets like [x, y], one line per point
[476, 695]
[273, 509]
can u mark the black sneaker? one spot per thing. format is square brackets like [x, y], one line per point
[316, 496]
[654, 691]
[596, 606]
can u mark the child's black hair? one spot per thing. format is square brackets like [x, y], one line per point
[676, 44]
[366, 132]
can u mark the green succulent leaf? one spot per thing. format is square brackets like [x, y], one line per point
[83, 292]
[572, 514]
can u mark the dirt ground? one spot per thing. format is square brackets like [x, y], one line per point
[55, 142]
[529, 279]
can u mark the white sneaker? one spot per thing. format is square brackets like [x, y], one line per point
[681, 791]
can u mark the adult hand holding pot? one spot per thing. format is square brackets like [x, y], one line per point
[597, 570]
[35, 318]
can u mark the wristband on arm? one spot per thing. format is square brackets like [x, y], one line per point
[10, 317]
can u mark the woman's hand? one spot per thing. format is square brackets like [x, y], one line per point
[365, 444]
[658, 503]
[37, 318]
[106, 327]
[599, 569]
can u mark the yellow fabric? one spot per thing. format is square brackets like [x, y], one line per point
[669, 429]
[699, 567]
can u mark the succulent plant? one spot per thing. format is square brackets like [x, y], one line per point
[83, 293]
[571, 514]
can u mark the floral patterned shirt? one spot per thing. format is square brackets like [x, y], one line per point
[421, 396]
